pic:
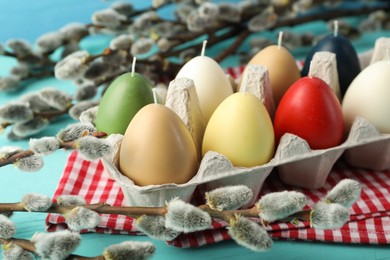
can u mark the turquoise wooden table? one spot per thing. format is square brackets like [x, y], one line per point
[26, 19]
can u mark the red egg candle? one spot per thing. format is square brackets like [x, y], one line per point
[310, 110]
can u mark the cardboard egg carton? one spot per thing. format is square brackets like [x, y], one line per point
[294, 161]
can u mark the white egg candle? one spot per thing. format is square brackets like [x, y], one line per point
[368, 96]
[211, 83]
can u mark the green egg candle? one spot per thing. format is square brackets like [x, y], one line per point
[126, 95]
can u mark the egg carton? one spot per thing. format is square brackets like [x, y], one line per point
[294, 162]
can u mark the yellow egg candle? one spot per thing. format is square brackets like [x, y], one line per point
[211, 82]
[282, 68]
[241, 129]
[157, 148]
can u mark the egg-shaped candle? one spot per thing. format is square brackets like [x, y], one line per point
[211, 83]
[123, 98]
[348, 65]
[157, 148]
[282, 68]
[310, 110]
[368, 96]
[241, 129]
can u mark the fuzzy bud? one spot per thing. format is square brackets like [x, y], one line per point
[154, 227]
[129, 250]
[49, 42]
[71, 200]
[328, 216]
[35, 102]
[35, 202]
[56, 98]
[249, 234]
[92, 148]
[81, 218]
[185, 217]
[279, 205]
[15, 112]
[116, 58]
[8, 151]
[346, 193]
[124, 8]
[122, 42]
[164, 44]
[44, 145]
[229, 12]
[141, 46]
[20, 47]
[75, 131]
[96, 69]
[195, 22]
[85, 92]
[81, 107]
[89, 115]
[22, 70]
[209, 9]
[74, 31]
[108, 17]
[9, 84]
[32, 163]
[31, 127]
[57, 245]
[7, 227]
[264, 20]
[72, 66]
[13, 137]
[229, 197]
[12, 251]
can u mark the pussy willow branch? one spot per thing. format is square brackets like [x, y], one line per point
[135, 211]
[26, 153]
[239, 31]
[30, 247]
[49, 115]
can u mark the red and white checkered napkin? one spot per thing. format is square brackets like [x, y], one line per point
[370, 216]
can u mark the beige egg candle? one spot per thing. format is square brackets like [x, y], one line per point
[241, 129]
[157, 148]
[282, 68]
[211, 83]
[368, 96]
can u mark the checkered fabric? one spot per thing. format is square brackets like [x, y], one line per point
[369, 224]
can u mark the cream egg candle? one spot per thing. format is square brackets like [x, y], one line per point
[282, 68]
[157, 148]
[368, 96]
[212, 85]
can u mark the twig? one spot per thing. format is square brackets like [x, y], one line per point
[27, 153]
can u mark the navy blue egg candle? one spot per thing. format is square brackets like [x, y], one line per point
[348, 66]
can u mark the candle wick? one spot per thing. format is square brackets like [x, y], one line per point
[133, 66]
[336, 28]
[280, 38]
[203, 48]
[155, 96]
